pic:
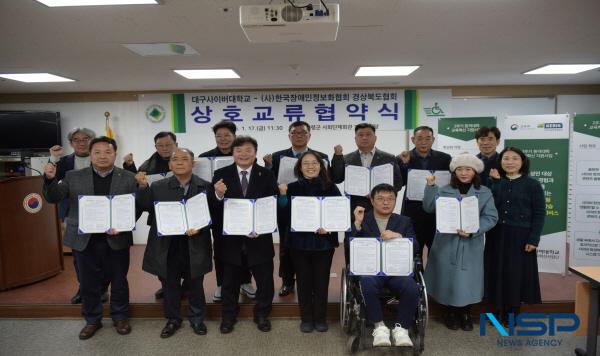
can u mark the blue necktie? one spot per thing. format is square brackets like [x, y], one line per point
[244, 182]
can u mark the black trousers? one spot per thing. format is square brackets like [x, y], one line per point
[312, 273]
[246, 276]
[178, 267]
[286, 266]
[230, 292]
[96, 263]
[423, 223]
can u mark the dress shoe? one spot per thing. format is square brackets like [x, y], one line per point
[199, 328]
[321, 326]
[465, 322]
[226, 326]
[76, 299]
[89, 331]
[104, 298]
[159, 294]
[451, 321]
[122, 326]
[169, 329]
[286, 290]
[263, 324]
[306, 327]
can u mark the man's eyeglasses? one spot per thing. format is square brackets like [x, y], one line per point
[80, 140]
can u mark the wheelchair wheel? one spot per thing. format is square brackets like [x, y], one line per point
[344, 303]
[353, 344]
[424, 306]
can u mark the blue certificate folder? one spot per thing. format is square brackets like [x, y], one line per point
[101, 213]
[250, 216]
[373, 256]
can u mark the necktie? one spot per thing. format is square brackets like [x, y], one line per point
[244, 182]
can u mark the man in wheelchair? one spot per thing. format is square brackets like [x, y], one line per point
[381, 221]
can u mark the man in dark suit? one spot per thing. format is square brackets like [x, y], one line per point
[172, 258]
[299, 135]
[165, 143]
[103, 255]
[487, 139]
[79, 139]
[224, 132]
[367, 155]
[245, 180]
[422, 157]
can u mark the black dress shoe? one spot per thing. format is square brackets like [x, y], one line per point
[226, 326]
[263, 324]
[169, 329]
[286, 290]
[159, 294]
[306, 327]
[199, 328]
[76, 299]
[321, 326]
[451, 321]
[465, 322]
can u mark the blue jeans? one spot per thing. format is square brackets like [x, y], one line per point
[405, 289]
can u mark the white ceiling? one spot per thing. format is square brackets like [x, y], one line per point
[457, 42]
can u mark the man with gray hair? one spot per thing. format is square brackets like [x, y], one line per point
[79, 139]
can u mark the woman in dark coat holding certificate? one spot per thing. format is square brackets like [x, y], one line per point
[510, 253]
[173, 257]
[454, 271]
[311, 252]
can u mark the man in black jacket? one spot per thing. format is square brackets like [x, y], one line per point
[422, 157]
[299, 135]
[487, 139]
[245, 180]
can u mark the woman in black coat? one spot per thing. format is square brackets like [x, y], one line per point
[311, 252]
[511, 269]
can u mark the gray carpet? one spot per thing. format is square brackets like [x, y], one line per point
[59, 337]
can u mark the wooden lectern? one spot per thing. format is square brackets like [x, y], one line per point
[30, 247]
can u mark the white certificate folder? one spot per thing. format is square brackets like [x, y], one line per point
[100, 213]
[177, 217]
[312, 213]
[453, 213]
[373, 256]
[205, 167]
[250, 216]
[360, 180]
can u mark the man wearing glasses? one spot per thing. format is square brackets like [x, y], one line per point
[299, 135]
[165, 143]
[79, 139]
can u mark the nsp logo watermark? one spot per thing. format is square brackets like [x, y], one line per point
[530, 324]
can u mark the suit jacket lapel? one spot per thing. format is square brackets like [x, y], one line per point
[372, 224]
[355, 159]
[115, 181]
[255, 177]
[236, 188]
[88, 180]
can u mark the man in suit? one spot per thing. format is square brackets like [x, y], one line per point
[487, 139]
[224, 132]
[245, 180]
[103, 255]
[165, 143]
[422, 157]
[299, 135]
[366, 155]
[172, 258]
[79, 139]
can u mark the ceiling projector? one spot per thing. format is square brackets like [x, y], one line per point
[282, 23]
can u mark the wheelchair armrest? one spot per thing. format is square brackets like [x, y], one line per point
[418, 263]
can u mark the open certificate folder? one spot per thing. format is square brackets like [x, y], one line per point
[372, 256]
[156, 177]
[417, 180]
[177, 217]
[205, 167]
[100, 213]
[312, 213]
[456, 213]
[360, 180]
[247, 216]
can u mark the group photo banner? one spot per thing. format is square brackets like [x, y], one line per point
[545, 140]
[584, 221]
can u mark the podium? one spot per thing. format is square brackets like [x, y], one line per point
[30, 245]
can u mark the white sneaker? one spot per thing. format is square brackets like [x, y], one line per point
[217, 295]
[248, 290]
[381, 337]
[400, 336]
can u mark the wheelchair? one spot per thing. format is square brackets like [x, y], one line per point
[353, 312]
